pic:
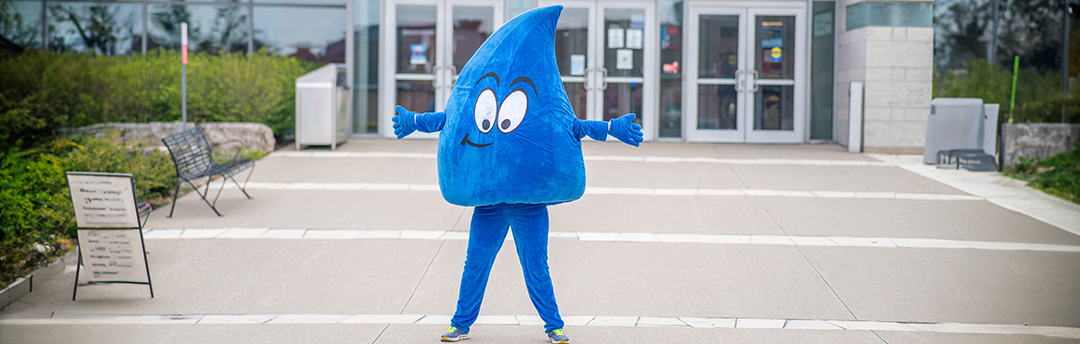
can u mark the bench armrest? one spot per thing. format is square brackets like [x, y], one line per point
[236, 155]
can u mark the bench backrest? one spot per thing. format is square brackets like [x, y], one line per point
[190, 152]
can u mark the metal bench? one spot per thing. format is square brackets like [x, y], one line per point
[194, 159]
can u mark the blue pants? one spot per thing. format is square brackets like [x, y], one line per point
[486, 235]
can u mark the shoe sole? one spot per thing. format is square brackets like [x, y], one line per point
[552, 341]
[461, 337]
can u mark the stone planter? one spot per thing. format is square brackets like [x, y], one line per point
[253, 135]
[1038, 140]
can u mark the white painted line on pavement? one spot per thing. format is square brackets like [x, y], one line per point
[609, 158]
[601, 190]
[996, 188]
[637, 237]
[532, 320]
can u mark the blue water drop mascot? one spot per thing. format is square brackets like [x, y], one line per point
[509, 146]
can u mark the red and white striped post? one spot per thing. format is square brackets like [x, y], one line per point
[183, 75]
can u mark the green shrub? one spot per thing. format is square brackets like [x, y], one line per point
[1038, 96]
[42, 91]
[1059, 175]
[36, 214]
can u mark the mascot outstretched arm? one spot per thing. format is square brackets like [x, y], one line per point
[510, 145]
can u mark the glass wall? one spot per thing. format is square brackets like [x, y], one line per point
[671, 19]
[821, 71]
[20, 23]
[366, 15]
[310, 33]
[102, 28]
[211, 28]
[309, 30]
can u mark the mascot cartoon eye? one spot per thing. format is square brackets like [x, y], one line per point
[512, 111]
[485, 111]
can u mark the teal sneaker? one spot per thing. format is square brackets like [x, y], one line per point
[454, 334]
[557, 336]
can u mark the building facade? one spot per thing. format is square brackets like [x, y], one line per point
[766, 71]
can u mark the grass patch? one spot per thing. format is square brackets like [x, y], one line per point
[1058, 175]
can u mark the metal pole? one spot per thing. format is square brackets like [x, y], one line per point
[183, 75]
[1065, 63]
[1012, 98]
[991, 55]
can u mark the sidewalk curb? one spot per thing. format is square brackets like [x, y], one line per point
[25, 285]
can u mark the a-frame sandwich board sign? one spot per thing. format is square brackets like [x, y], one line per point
[110, 223]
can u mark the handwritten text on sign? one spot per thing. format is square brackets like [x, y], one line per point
[113, 255]
[103, 201]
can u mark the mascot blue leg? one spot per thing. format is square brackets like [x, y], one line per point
[486, 235]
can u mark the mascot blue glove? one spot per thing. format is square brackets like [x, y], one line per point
[510, 145]
[404, 122]
[626, 131]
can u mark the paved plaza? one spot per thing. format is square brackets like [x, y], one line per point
[671, 243]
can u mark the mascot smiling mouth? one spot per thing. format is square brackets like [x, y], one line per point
[465, 140]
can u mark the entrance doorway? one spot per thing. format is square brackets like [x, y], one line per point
[746, 74]
[605, 51]
[425, 45]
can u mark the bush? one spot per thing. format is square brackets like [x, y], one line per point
[1038, 96]
[36, 214]
[1058, 175]
[42, 91]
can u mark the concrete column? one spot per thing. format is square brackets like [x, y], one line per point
[896, 64]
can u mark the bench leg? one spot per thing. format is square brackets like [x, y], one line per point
[243, 187]
[223, 182]
[203, 195]
[176, 193]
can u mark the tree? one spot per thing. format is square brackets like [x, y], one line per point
[14, 27]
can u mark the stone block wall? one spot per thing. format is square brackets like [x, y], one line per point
[1038, 140]
[895, 65]
[253, 135]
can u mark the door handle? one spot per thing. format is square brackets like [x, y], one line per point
[603, 79]
[586, 83]
[435, 79]
[754, 86]
[738, 80]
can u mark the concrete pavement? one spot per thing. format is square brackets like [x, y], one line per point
[672, 243]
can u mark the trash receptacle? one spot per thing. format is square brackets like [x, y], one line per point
[954, 123]
[322, 107]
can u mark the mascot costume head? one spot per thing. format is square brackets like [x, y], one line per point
[508, 135]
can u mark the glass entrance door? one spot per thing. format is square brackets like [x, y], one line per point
[602, 49]
[427, 43]
[747, 74]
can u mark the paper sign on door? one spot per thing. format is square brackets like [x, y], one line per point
[624, 59]
[614, 38]
[577, 64]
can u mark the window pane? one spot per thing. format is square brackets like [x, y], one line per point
[366, 67]
[671, 14]
[472, 26]
[577, 94]
[312, 34]
[774, 108]
[718, 49]
[624, 35]
[775, 53]
[621, 99]
[416, 41]
[211, 28]
[717, 107]
[300, 2]
[571, 41]
[102, 28]
[821, 72]
[416, 95]
[20, 23]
